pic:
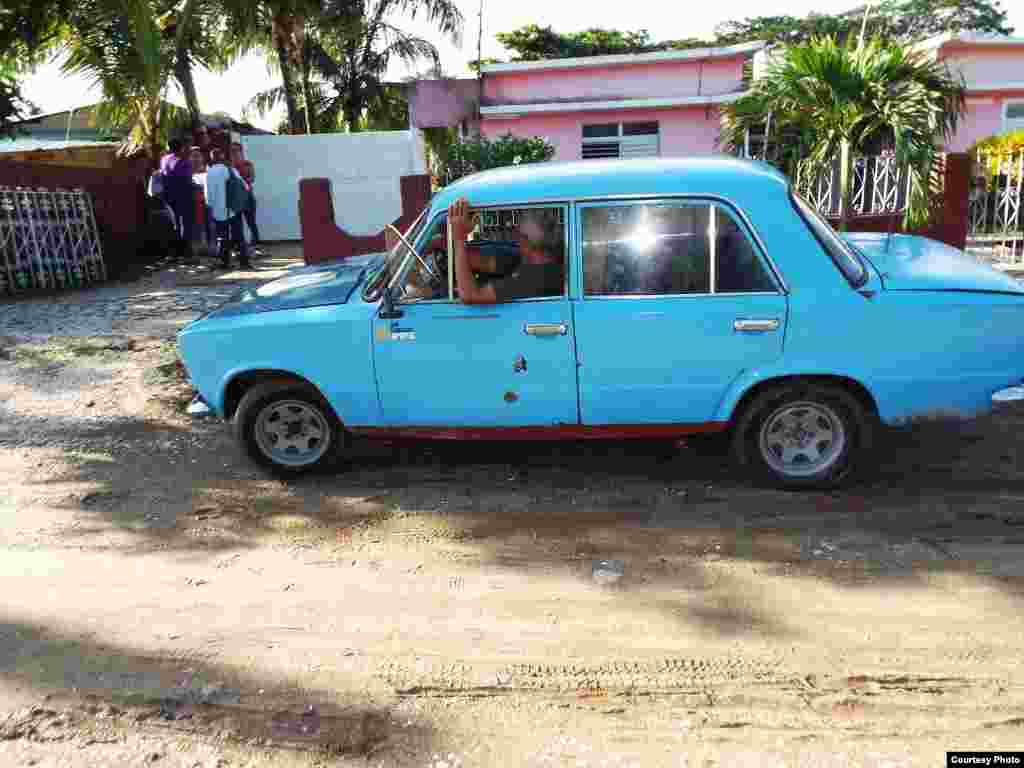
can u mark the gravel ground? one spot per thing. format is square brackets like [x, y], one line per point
[166, 603]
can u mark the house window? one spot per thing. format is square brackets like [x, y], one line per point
[602, 140]
[1013, 116]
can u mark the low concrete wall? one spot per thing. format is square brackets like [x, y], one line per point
[323, 240]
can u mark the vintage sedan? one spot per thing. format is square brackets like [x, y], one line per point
[694, 295]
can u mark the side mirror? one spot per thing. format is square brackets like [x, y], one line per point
[388, 310]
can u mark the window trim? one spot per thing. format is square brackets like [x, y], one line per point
[714, 201]
[852, 252]
[1007, 103]
[565, 205]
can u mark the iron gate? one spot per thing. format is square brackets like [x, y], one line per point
[48, 240]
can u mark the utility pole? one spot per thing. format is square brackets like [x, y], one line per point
[480, 67]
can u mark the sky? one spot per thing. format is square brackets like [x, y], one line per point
[230, 91]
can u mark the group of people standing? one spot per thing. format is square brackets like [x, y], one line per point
[209, 195]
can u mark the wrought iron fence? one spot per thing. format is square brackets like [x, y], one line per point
[878, 184]
[996, 227]
[48, 240]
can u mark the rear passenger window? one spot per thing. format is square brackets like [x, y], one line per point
[738, 269]
[668, 248]
[646, 249]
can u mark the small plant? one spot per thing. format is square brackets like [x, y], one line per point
[463, 157]
[998, 156]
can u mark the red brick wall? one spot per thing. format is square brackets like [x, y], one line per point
[323, 240]
[118, 199]
[950, 221]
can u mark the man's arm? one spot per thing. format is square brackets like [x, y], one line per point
[469, 290]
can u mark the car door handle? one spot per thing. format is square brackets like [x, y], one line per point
[755, 325]
[545, 329]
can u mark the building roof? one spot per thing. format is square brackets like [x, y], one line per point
[970, 38]
[29, 144]
[628, 59]
[602, 105]
[582, 179]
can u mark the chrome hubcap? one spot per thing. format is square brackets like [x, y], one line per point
[802, 439]
[292, 433]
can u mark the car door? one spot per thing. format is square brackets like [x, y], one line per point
[677, 300]
[447, 364]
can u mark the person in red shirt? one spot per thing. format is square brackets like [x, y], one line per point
[247, 171]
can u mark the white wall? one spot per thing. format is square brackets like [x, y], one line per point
[364, 169]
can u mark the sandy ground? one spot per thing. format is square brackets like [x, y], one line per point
[167, 603]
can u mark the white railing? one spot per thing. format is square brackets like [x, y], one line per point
[878, 185]
[996, 227]
[48, 240]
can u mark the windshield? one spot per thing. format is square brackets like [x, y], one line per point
[398, 254]
[845, 258]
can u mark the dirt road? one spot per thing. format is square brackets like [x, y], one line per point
[436, 605]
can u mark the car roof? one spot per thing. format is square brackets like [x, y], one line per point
[708, 174]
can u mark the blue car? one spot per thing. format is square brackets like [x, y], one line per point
[674, 297]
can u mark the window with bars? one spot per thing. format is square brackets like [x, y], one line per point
[605, 140]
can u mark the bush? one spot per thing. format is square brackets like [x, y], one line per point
[996, 153]
[463, 157]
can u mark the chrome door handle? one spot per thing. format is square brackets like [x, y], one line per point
[755, 325]
[545, 329]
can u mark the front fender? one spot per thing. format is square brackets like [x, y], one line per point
[220, 398]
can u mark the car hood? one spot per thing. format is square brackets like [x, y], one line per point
[319, 285]
[912, 263]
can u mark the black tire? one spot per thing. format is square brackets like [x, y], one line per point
[753, 436]
[263, 396]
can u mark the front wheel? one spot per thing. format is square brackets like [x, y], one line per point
[288, 426]
[803, 435]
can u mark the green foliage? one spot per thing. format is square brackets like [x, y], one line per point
[125, 48]
[12, 104]
[533, 42]
[903, 20]
[338, 58]
[998, 155]
[823, 97]
[463, 157]
[1003, 143]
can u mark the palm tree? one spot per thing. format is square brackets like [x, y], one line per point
[121, 47]
[278, 28]
[833, 100]
[346, 48]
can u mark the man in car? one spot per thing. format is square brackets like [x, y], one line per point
[539, 272]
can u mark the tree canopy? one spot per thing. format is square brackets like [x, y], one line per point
[903, 20]
[827, 100]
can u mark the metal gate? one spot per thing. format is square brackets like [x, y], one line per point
[996, 229]
[48, 240]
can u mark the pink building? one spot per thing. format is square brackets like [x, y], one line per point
[638, 105]
[993, 70]
[667, 103]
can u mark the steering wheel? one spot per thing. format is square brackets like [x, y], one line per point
[438, 261]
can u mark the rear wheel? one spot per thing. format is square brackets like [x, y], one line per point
[803, 435]
[288, 426]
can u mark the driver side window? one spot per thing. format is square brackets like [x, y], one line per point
[427, 276]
